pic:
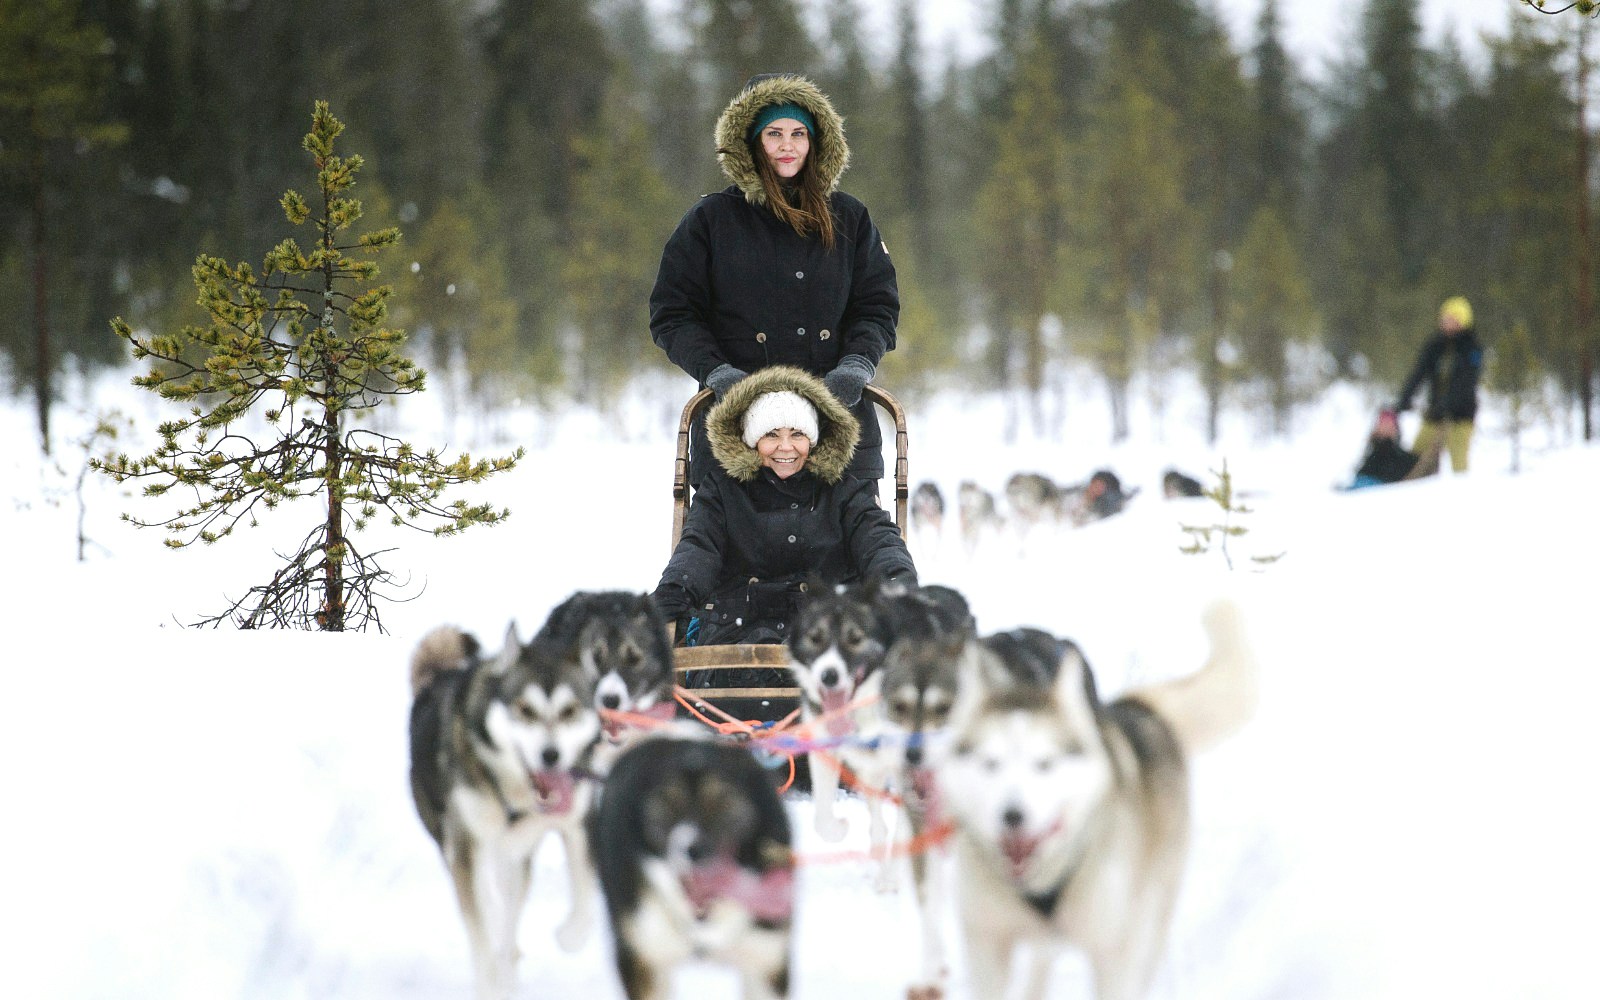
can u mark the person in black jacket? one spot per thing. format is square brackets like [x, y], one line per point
[1450, 362]
[775, 513]
[780, 267]
[1384, 461]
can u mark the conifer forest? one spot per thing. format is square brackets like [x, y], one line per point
[1118, 183]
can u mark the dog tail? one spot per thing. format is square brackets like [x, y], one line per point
[443, 649]
[1206, 707]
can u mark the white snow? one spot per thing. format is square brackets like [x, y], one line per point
[215, 813]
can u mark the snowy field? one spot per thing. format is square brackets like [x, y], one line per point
[204, 814]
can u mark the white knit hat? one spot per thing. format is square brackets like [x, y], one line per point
[779, 409]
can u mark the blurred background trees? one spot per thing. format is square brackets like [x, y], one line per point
[1115, 183]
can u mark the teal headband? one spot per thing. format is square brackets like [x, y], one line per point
[773, 112]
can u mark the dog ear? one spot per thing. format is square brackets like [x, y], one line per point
[980, 670]
[1074, 689]
[510, 650]
[976, 672]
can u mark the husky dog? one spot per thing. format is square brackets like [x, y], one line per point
[975, 507]
[1101, 496]
[695, 863]
[920, 682]
[500, 755]
[1035, 498]
[1175, 485]
[620, 638]
[1072, 814]
[927, 507]
[839, 642]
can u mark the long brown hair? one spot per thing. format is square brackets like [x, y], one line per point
[804, 204]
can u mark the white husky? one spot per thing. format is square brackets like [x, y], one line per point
[1072, 814]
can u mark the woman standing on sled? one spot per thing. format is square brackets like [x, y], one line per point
[774, 511]
[781, 267]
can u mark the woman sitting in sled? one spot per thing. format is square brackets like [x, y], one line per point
[776, 511]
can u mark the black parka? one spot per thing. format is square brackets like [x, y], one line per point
[1451, 364]
[739, 286]
[751, 539]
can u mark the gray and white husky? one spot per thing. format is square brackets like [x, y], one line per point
[500, 756]
[1072, 814]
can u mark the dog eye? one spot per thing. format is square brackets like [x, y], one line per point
[1044, 764]
[963, 749]
[525, 711]
[991, 764]
[568, 712]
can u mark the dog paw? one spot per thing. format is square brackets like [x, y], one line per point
[573, 933]
[931, 991]
[831, 828]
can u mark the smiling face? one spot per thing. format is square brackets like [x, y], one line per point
[786, 144]
[784, 450]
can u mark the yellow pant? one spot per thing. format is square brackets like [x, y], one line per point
[1454, 436]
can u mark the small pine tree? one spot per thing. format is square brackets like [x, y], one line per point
[1202, 536]
[304, 347]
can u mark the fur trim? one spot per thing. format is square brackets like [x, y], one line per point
[779, 409]
[831, 447]
[830, 155]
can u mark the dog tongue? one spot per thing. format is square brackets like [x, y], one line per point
[926, 790]
[767, 895]
[833, 705]
[1018, 849]
[554, 789]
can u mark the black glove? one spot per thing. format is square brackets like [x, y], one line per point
[848, 379]
[723, 378]
[672, 601]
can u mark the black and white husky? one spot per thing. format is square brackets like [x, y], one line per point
[838, 645]
[695, 862]
[501, 756]
[1072, 813]
[622, 640]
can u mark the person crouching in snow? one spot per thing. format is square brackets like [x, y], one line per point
[1384, 461]
[775, 512]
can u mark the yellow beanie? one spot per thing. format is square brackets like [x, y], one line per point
[1456, 308]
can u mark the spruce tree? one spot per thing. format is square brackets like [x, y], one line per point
[303, 349]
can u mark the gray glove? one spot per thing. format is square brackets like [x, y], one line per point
[723, 378]
[848, 379]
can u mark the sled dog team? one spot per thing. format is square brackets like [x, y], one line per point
[1068, 813]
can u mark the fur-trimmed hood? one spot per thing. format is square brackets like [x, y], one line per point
[829, 154]
[837, 434]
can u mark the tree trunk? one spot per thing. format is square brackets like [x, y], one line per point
[1117, 389]
[42, 363]
[1033, 376]
[334, 551]
[1585, 316]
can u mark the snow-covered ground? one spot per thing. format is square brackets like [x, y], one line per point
[204, 814]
